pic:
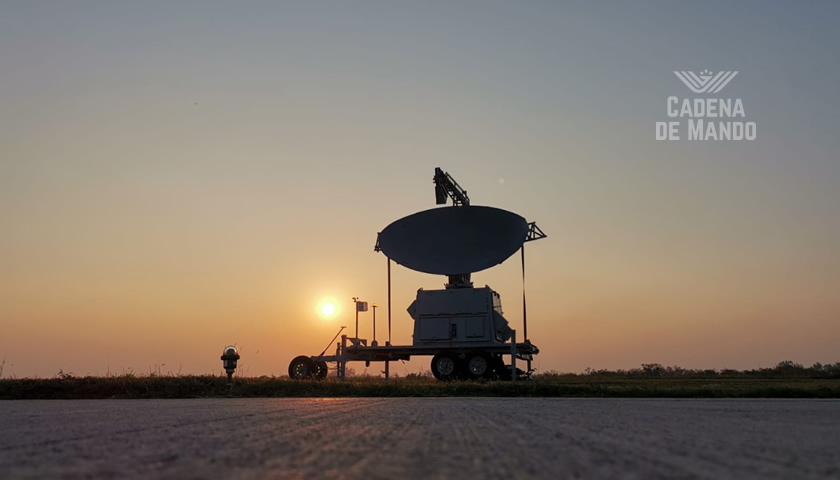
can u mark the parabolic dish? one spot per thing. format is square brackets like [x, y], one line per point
[454, 240]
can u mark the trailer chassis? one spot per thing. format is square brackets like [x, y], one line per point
[468, 360]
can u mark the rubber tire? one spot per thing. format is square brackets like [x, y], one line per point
[445, 366]
[302, 368]
[474, 360]
[321, 369]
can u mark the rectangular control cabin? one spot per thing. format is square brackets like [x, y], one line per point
[458, 317]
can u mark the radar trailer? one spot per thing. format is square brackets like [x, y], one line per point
[461, 327]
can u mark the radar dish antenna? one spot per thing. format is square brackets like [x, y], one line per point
[455, 241]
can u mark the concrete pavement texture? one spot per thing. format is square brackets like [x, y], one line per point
[420, 438]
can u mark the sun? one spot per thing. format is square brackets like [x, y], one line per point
[328, 309]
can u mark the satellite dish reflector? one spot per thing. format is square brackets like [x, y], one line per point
[454, 240]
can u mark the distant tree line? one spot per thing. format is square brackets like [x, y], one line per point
[784, 369]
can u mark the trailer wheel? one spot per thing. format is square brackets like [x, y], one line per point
[478, 366]
[444, 366]
[321, 369]
[302, 368]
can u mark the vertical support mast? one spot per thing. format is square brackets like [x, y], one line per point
[389, 300]
[356, 309]
[388, 363]
[524, 309]
[446, 186]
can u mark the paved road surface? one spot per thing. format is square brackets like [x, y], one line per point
[438, 438]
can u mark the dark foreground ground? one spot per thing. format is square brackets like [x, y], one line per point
[154, 386]
[418, 438]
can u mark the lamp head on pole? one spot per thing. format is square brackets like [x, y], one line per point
[229, 357]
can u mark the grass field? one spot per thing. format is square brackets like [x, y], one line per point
[153, 386]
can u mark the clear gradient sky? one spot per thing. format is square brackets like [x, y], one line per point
[176, 176]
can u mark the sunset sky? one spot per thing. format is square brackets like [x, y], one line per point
[177, 176]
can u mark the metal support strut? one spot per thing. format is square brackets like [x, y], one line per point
[513, 356]
[388, 343]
